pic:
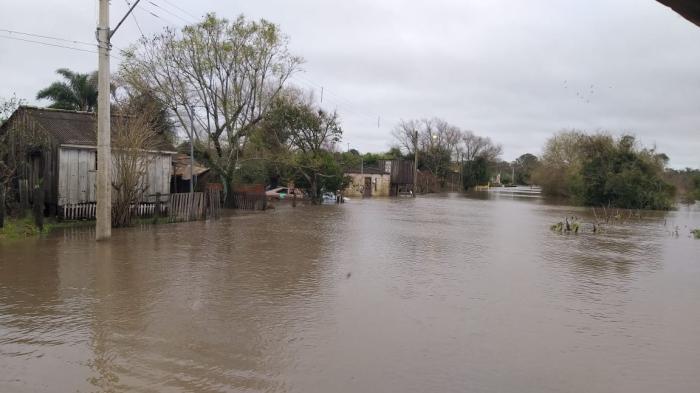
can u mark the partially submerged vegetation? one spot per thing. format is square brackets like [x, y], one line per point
[569, 225]
[600, 170]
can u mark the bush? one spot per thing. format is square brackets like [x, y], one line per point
[598, 170]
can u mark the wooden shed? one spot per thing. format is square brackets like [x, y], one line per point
[56, 150]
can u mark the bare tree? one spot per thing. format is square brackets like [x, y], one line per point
[218, 78]
[474, 146]
[134, 138]
[405, 133]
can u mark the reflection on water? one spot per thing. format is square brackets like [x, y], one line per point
[445, 293]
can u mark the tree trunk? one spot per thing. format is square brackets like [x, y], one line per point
[2, 206]
[314, 190]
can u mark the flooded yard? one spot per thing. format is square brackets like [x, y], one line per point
[432, 294]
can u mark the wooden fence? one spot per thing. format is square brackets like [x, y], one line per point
[187, 206]
[87, 211]
[249, 200]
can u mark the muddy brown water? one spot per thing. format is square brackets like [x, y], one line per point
[433, 294]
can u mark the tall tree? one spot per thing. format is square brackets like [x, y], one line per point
[76, 92]
[307, 135]
[218, 79]
[524, 166]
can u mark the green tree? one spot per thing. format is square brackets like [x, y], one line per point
[300, 137]
[599, 170]
[476, 172]
[525, 166]
[560, 164]
[76, 92]
[218, 80]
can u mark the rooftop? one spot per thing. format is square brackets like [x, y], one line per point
[71, 127]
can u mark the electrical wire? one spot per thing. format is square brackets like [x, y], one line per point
[47, 37]
[135, 20]
[49, 44]
[169, 12]
[182, 10]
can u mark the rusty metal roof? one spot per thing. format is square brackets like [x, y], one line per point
[181, 164]
[73, 127]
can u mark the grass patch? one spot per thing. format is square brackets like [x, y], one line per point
[20, 228]
[696, 233]
[23, 227]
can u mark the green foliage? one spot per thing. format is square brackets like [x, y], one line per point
[295, 141]
[598, 170]
[476, 172]
[22, 227]
[218, 79]
[696, 233]
[77, 91]
[525, 166]
[687, 182]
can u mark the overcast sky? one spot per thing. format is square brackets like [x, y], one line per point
[516, 71]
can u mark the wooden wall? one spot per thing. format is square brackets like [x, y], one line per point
[77, 175]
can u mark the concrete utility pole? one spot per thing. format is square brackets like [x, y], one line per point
[103, 227]
[415, 164]
[103, 230]
[192, 150]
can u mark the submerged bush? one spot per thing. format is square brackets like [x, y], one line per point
[599, 170]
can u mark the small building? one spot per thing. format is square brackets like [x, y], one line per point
[368, 182]
[182, 176]
[56, 150]
[388, 178]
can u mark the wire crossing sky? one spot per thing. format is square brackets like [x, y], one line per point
[514, 71]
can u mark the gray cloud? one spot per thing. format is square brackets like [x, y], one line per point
[498, 68]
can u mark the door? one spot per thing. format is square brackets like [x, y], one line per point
[368, 187]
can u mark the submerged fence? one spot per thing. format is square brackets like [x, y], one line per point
[250, 197]
[176, 207]
[88, 210]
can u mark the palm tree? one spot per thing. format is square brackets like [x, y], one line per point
[78, 91]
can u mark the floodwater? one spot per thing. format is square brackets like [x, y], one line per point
[434, 294]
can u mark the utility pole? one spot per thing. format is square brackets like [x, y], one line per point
[191, 150]
[415, 163]
[103, 229]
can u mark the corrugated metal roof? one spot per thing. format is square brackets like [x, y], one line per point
[75, 128]
[181, 162]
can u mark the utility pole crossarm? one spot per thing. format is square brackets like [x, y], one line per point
[111, 33]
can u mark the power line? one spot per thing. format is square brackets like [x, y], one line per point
[182, 10]
[166, 21]
[59, 46]
[133, 15]
[47, 37]
[169, 12]
[49, 44]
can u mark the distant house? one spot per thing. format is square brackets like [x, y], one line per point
[181, 174]
[56, 150]
[387, 178]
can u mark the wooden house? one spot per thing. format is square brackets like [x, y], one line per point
[56, 151]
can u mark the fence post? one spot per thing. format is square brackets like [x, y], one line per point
[38, 207]
[157, 207]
